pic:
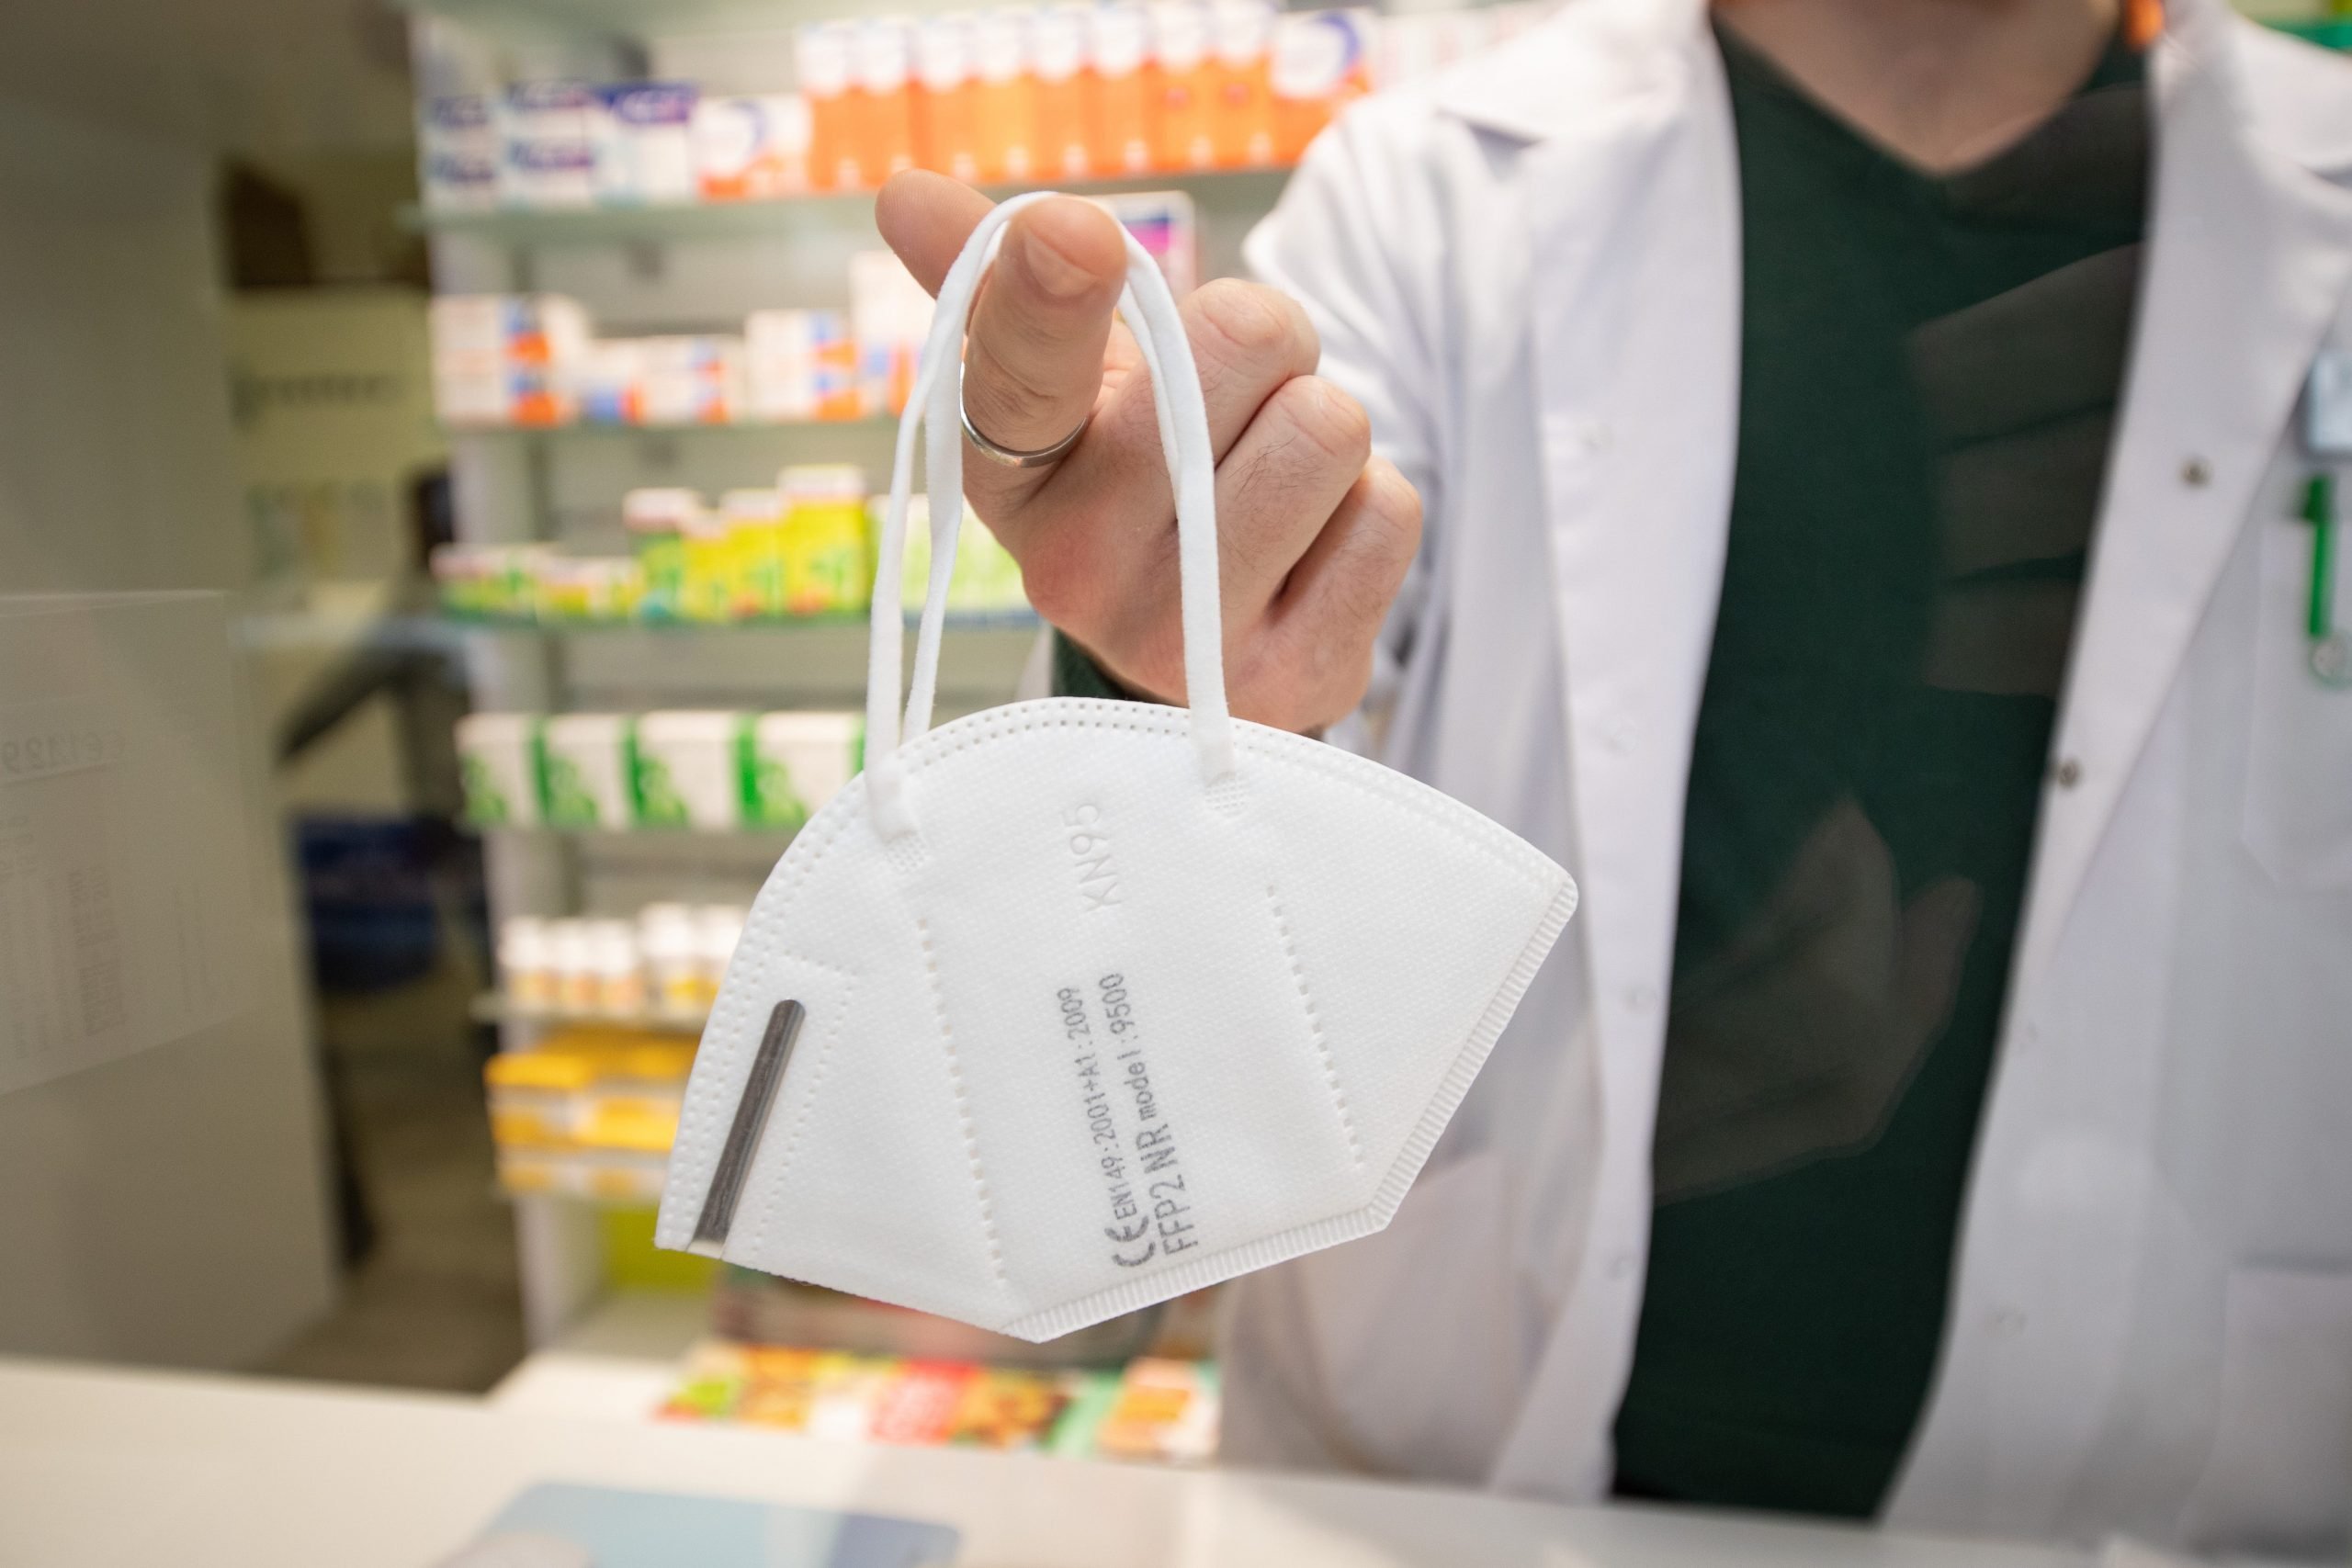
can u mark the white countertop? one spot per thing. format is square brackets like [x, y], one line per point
[101, 1468]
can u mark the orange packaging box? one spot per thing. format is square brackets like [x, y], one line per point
[1007, 110]
[1321, 61]
[1120, 102]
[837, 393]
[1058, 65]
[946, 97]
[1241, 120]
[881, 84]
[750, 148]
[822, 53]
[1183, 82]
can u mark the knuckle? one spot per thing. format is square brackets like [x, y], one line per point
[1256, 325]
[1393, 511]
[1359, 601]
[1299, 684]
[1009, 390]
[1333, 421]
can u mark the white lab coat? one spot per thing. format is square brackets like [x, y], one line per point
[1531, 276]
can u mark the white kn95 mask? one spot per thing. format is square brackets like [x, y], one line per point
[1069, 1006]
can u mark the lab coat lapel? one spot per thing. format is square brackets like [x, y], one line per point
[1631, 197]
[1636, 314]
[2249, 253]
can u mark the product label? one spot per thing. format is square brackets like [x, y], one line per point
[542, 97]
[1146, 1201]
[41, 740]
[1313, 56]
[469, 111]
[1122, 38]
[651, 103]
[551, 157]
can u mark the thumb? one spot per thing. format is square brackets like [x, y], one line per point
[1033, 355]
[926, 218]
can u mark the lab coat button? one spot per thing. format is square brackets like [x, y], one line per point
[2069, 773]
[1621, 1266]
[1641, 998]
[2005, 1323]
[1620, 734]
[2196, 473]
[1595, 435]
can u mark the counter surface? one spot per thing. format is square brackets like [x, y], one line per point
[100, 1468]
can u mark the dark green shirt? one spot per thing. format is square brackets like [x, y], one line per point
[1929, 369]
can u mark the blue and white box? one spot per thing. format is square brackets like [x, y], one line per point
[645, 149]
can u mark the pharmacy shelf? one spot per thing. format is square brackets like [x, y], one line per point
[493, 1008]
[544, 832]
[1255, 188]
[700, 427]
[957, 621]
[447, 634]
[634, 18]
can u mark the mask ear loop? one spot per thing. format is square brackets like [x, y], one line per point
[934, 403]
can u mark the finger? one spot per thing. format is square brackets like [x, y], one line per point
[1282, 481]
[1032, 357]
[1246, 340]
[1322, 624]
[1110, 505]
[926, 218]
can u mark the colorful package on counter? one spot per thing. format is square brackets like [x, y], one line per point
[1155, 1410]
[1165, 1410]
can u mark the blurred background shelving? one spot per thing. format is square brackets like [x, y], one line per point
[632, 269]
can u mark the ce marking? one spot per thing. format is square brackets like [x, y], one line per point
[1128, 1237]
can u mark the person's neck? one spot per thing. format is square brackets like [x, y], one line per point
[1941, 83]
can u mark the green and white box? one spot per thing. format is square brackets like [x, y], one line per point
[585, 770]
[498, 757]
[687, 770]
[795, 762]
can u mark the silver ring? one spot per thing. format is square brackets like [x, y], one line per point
[1005, 456]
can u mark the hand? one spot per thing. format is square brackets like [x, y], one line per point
[1314, 533]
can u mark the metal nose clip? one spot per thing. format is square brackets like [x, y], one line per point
[751, 1118]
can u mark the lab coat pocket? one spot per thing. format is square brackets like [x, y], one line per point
[2299, 758]
[1396, 1353]
[2278, 1477]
